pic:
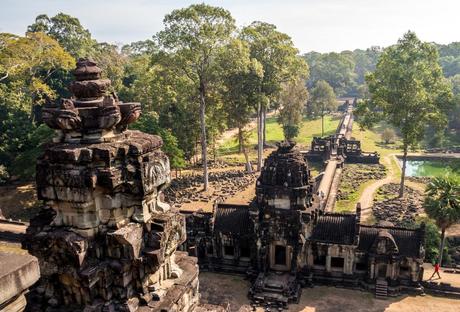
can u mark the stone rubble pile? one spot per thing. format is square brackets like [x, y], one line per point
[423, 180]
[224, 184]
[399, 211]
[353, 175]
[213, 164]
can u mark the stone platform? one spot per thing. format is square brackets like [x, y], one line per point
[17, 274]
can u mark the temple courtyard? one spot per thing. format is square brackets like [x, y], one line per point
[230, 290]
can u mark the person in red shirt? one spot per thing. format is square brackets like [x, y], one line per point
[436, 271]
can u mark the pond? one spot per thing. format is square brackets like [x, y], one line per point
[432, 168]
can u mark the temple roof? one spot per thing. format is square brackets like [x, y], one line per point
[335, 228]
[230, 218]
[407, 240]
[285, 167]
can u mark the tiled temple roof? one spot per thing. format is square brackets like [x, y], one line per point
[335, 228]
[230, 218]
[407, 240]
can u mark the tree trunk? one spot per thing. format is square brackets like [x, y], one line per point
[246, 157]
[204, 159]
[214, 148]
[240, 140]
[264, 113]
[403, 172]
[322, 125]
[322, 120]
[259, 138]
[441, 248]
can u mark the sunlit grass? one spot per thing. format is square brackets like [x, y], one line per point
[371, 140]
[308, 130]
[349, 205]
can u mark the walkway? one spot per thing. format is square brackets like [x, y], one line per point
[367, 197]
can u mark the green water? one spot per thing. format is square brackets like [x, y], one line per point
[432, 168]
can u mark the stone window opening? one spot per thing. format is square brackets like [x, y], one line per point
[228, 247]
[319, 258]
[337, 263]
[244, 249]
[229, 251]
[361, 265]
[404, 270]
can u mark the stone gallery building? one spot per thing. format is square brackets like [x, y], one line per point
[284, 241]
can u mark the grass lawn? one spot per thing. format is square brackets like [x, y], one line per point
[349, 205]
[228, 150]
[307, 131]
[371, 140]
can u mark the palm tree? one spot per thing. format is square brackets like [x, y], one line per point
[442, 203]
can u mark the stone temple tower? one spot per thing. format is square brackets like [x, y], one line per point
[281, 218]
[105, 240]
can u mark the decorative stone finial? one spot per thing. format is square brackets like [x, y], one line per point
[93, 115]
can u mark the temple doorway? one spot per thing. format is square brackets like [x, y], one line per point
[280, 255]
[382, 271]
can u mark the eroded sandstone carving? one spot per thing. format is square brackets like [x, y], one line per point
[105, 239]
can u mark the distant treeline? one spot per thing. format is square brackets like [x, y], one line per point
[346, 71]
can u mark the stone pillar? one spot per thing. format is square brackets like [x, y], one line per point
[372, 270]
[328, 260]
[348, 261]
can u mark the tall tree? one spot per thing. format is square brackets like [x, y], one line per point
[442, 203]
[195, 36]
[149, 79]
[280, 63]
[292, 99]
[30, 61]
[26, 66]
[112, 63]
[68, 31]
[409, 91]
[322, 100]
[242, 78]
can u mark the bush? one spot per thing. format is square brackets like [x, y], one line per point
[149, 123]
[4, 175]
[290, 131]
[432, 241]
[388, 136]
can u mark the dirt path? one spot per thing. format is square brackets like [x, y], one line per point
[233, 132]
[367, 197]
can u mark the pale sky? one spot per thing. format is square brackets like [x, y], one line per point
[320, 25]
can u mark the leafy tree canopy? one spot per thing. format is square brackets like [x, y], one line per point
[68, 31]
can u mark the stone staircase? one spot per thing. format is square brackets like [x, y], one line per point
[275, 289]
[381, 289]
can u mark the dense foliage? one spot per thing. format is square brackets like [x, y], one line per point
[442, 204]
[196, 78]
[293, 98]
[408, 90]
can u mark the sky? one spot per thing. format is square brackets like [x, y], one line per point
[318, 25]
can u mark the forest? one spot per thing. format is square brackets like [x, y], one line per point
[199, 76]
